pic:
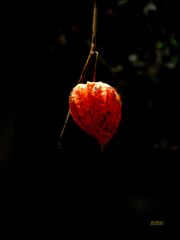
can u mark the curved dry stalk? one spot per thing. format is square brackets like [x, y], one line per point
[94, 28]
[91, 53]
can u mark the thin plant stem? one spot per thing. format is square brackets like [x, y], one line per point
[95, 66]
[91, 53]
[83, 73]
[65, 123]
[94, 28]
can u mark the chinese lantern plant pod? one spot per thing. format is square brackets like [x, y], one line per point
[96, 108]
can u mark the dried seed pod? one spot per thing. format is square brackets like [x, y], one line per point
[96, 108]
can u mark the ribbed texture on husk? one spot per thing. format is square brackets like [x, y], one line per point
[96, 108]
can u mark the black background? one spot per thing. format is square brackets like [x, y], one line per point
[76, 188]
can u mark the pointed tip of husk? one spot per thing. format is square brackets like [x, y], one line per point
[102, 147]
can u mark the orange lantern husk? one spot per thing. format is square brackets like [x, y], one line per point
[96, 108]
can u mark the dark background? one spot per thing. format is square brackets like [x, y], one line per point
[77, 188]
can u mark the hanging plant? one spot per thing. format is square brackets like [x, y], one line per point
[96, 107]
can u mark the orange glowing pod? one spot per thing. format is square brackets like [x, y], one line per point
[96, 108]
